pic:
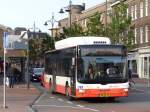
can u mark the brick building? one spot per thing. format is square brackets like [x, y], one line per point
[139, 10]
[139, 58]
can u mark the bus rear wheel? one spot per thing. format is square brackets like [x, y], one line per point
[51, 88]
[69, 97]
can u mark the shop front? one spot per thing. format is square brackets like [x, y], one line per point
[144, 62]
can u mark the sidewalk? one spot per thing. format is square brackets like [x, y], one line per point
[141, 83]
[18, 98]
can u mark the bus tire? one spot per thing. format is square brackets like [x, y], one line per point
[52, 90]
[111, 98]
[70, 98]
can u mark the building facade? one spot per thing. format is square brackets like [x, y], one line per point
[139, 59]
[139, 10]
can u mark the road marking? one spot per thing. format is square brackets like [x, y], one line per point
[84, 108]
[51, 97]
[59, 99]
[69, 102]
[141, 90]
[43, 95]
[80, 106]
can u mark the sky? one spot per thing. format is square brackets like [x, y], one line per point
[23, 13]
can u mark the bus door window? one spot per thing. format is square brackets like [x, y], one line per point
[80, 68]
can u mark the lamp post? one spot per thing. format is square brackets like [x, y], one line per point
[68, 10]
[52, 21]
[27, 65]
[106, 17]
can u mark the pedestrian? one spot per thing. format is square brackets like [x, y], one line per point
[11, 76]
[130, 77]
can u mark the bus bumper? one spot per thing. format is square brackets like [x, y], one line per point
[102, 93]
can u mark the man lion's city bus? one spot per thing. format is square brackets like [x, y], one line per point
[67, 68]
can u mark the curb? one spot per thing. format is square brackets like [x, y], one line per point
[30, 108]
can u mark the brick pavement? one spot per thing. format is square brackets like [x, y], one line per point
[18, 98]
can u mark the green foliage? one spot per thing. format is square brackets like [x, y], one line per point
[120, 30]
[74, 31]
[95, 26]
[38, 46]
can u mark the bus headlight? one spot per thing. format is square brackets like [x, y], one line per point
[81, 90]
[126, 90]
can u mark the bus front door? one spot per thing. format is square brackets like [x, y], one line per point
[73, 81]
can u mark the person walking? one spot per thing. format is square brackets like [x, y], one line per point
[11, 76]
[130, 77]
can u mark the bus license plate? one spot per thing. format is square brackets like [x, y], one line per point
[104, 95]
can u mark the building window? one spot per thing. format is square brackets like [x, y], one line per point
[141, 34]
[135, 35]
[146, 7]
[141, 9]
[146, 33]
[135, 12]
[132, 12]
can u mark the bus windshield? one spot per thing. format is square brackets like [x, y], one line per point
[108, 69]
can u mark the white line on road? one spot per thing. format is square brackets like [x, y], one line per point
[66, 107]
[69, 102]
[40, 97]
[141, 90]
[51, 97]
[80, 106]
[59, 99]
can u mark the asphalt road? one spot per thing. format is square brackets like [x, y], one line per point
[138, 101]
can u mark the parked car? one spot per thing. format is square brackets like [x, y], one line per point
[37, 72]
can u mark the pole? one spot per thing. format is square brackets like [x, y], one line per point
[28, 77]
[70, 12]
[52, 22]
[106, 17]
[4, 64]
[148, 72]
[4, 81]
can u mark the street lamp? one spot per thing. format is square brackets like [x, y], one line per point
[52, 21]
[67, 9]
[27, 64]
[106, 17]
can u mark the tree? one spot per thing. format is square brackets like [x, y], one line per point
[120, 29]
[73, 31]
[47, 43]
[38, 46]
[95, 26]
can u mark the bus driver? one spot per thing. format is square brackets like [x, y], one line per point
[91, 71]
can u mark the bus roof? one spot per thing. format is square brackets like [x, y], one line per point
[75, 41]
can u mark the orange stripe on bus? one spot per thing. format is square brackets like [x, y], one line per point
[85, 93]
[101, 93]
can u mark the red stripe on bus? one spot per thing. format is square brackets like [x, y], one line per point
[47, 85]
[101, 93]
[90, 92]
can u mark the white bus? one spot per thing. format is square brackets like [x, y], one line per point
[67, 68]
